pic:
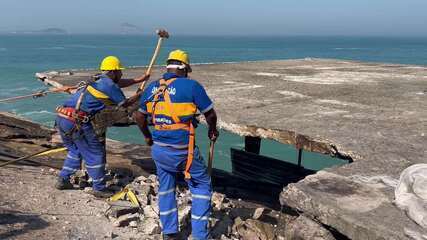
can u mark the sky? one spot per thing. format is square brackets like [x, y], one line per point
[220, 17]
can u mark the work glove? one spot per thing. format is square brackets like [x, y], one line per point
[213, 134]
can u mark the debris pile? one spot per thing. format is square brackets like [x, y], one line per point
[230, 219]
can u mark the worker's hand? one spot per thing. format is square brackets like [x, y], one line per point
[143, 78]
[149, 141]
[66, 89]
[213, 134]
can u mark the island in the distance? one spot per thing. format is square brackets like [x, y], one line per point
[53, 31]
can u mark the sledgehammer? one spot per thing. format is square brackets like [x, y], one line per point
[163, 34]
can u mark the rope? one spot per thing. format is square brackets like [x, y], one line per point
[33, 95]
[38, 154]
[43, 93]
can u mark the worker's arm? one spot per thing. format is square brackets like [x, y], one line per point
[211, 120]
[131, 100]
[65, 89]
[141, 121]
[129, 82]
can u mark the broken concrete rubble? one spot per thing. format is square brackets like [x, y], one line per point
[228, 220]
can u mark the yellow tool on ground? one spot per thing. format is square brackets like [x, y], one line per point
[38, 154]
[125, 194]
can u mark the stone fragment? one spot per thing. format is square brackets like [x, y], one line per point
[133, 224]
[220, 223]
[124, 220]
[140, 179]
[152, 178]
[144, 189]
[149, 212]
[152, 200]
[242, 213]
[223, 237]
[184, 216]
[305, 228]
[149, 226]
[253, 230]
[258, 213]
[142, 199]
[217, 200]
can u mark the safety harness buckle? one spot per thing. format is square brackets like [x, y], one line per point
[85, 119]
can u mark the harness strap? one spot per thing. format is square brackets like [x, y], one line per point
[99, 95]
[190, 155]
[161, 91]
[188, 126]
[72, 114]
[178, 126]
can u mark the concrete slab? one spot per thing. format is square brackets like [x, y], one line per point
[372, 113]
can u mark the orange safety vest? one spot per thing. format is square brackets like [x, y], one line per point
[178, 125]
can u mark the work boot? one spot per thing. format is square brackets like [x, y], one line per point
[62, 184]
[104, 193]
[172, 236]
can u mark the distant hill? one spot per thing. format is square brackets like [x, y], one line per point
[129, 28]
[53, 31]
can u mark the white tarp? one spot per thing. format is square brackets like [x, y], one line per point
[411, 193]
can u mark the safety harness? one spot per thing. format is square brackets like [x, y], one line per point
[178, 125]
[75, 114]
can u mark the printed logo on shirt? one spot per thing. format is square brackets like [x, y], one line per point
[171, 90]
[163, 120]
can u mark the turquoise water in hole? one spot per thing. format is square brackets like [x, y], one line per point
[227, 140]
[23, 55]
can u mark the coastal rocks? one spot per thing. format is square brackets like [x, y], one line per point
[305, 228]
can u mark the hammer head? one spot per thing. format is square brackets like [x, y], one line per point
[162, 33]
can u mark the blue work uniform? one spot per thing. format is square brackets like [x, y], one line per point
[83, 143]
[170, 151]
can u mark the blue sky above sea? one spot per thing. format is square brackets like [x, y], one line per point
[221, 17]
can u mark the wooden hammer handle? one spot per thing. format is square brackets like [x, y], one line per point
[153, 60]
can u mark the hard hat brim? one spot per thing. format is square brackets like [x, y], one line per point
[116, 69]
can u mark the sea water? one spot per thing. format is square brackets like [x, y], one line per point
[23, 55]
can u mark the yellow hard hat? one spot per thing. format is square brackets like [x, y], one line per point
[181, 56]
[111, 63]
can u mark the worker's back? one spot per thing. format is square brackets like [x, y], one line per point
[98, 94]
[187, 97]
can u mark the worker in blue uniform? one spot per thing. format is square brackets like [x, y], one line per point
[171, 104]
[77, 132]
